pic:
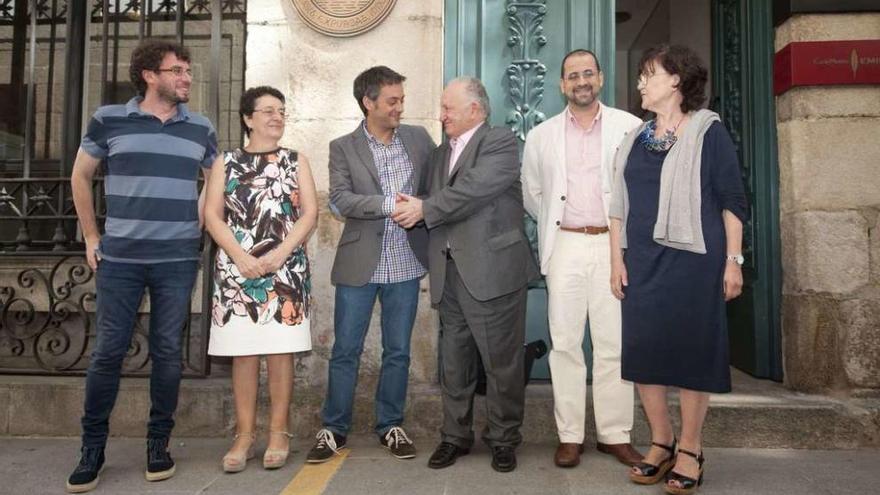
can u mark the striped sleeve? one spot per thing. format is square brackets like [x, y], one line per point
[94, 142]
[210, 147]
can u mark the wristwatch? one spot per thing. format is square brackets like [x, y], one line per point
[736, 258]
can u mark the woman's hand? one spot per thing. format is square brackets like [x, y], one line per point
[248, 266]
[272, 261]
[618, 278]
[733, 280]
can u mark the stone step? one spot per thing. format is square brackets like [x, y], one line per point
[758, 414]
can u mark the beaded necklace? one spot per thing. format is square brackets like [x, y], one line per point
[662, 143]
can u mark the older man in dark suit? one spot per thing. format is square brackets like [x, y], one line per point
[480, 264]
[375, 258]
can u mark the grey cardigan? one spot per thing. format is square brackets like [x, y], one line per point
[679, 216]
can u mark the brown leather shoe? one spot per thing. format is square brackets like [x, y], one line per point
[568, 454]
[624, 452]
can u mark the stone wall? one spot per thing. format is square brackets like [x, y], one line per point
[315, 72]
[829, 176]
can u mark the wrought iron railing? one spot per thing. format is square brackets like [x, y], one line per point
[39, 212]
[47, 294]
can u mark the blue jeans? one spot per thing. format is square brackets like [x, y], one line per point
[354, 307]
[120, 288]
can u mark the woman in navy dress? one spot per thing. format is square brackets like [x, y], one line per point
[676, 237]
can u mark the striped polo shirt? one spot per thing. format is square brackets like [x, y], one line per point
[151, 169]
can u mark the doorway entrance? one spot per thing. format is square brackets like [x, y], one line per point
[515, 48]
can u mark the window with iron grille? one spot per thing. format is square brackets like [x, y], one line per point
[59, 61]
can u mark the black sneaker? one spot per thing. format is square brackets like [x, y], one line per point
[398, 443]
[160, 465]
[85, 477]
[327, 444]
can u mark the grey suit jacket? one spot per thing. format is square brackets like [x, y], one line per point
[477, 211]
[356, 193]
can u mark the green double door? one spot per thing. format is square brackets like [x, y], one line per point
[516, 48]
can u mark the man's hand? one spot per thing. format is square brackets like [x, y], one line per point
[272, 261]
[92, 256]
[407, 211]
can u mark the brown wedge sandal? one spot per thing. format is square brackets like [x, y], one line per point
[276, 458]
[687, 485]
[649, 474]
[237, 462]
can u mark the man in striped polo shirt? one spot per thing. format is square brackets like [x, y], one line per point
[152, 149]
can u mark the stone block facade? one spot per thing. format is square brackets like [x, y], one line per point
[830, 220]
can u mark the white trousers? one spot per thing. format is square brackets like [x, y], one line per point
[578, 285]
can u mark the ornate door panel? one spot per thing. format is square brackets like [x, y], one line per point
[742, 66]
[516, 48]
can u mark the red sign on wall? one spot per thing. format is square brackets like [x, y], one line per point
[821, 63]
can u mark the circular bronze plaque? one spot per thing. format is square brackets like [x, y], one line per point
[343, 17]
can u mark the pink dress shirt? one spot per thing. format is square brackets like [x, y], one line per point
[457, 145]
[583, 157]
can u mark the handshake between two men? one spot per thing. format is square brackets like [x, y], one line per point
[407, 210]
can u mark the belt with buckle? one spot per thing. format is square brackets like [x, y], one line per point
[586, 230]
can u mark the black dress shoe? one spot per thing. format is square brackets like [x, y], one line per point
[503, 459]
[445, 455]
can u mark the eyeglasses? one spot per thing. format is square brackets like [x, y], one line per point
[270, 111]
[574, 76]
[644, 77]
[177, 71]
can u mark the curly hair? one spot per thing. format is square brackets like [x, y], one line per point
[148, 56]
[369, 83]
[683, 62]
[248, 102]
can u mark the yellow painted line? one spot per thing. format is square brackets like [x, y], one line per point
[312, 479]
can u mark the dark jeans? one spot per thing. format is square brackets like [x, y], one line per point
[354, 307]
[120, 288]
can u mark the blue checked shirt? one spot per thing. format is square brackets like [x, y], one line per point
[397, 262]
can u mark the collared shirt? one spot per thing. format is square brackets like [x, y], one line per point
[151, 172]
[457, 145]
[397, 262]
[583, 165]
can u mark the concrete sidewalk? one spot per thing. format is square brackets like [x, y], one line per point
[32, 466]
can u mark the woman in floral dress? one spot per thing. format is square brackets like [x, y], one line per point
[261, 209]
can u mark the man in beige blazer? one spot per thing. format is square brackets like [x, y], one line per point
[566, 178]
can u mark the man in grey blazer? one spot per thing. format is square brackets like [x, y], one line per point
[375, 258]
[480, 265]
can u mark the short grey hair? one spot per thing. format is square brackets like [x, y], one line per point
[476, 91]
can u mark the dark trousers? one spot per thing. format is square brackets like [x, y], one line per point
[493, 331]
[120, 288]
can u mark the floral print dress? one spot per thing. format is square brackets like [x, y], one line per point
[266, 315]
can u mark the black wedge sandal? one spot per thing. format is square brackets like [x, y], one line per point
[688, 485]
[650, 474]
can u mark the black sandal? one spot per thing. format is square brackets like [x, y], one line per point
[688, 485]
[650, 474]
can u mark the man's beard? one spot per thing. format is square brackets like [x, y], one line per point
[578, 102]
[171, 96]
